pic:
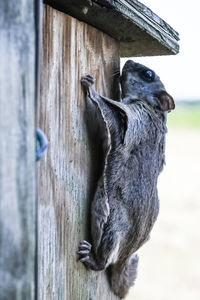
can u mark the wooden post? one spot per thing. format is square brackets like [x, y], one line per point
[17, 150]
[71, 49]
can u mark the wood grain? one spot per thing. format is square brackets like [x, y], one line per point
[71, 49]
[17, 150]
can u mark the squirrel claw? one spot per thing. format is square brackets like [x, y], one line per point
[84, 251]
[86, 244]
[84, 258]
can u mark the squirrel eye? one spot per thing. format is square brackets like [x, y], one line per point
[148, 75]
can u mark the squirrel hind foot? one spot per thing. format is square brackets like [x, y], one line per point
[86, 257]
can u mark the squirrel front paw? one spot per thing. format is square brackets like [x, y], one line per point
[87, 81]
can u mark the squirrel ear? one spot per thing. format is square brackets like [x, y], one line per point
[165, 101]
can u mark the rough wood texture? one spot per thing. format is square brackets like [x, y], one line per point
[140, 31]
[66, 175]
[17, 150]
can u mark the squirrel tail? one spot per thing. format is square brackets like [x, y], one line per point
[123, 275]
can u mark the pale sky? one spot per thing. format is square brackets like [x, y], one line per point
[180, 73]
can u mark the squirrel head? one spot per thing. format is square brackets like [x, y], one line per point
[140, 82]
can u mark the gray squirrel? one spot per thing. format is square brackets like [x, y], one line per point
[126, 204]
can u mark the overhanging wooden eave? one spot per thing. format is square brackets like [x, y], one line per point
[139, 30]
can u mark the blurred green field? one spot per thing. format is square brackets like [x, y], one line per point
[185, 116]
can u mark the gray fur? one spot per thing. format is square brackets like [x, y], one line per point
[126, 205]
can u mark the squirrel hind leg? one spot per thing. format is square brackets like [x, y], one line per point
[123, 276]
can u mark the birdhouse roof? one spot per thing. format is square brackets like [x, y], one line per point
[140, 31]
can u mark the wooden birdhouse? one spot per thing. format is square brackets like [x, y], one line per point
[45, 49]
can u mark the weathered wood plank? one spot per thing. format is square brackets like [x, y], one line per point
[70, 49]
[139, 30]
[17, 150]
